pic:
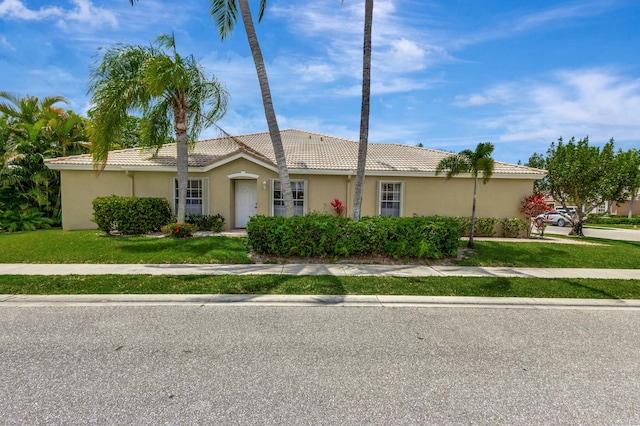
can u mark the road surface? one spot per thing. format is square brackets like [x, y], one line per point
[321, 365]
[609, 233]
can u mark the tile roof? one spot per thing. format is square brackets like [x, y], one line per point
[303, 150]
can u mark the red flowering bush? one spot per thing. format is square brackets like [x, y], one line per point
[179, 230]
[338, 207]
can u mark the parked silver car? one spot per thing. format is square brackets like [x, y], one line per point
[555, 217]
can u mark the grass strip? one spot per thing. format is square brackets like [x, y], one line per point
[317, 285]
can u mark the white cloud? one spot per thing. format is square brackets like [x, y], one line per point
[15, 9]
[5, 43]
[84, 12]
[398, 48]
[596, 102]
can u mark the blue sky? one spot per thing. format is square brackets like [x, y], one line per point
[448, 73]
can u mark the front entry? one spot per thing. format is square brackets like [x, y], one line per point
[246, 204]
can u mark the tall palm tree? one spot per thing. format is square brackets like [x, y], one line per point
[364, 112]
[168, 90]
[225, 14]
[473, 162]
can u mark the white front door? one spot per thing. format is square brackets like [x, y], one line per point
[246, 205]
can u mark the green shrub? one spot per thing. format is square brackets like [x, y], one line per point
[206, 222]
[514, 227]
[322, 235]
[131, 215]
[28, 220]
[491, 226]
[179, 230]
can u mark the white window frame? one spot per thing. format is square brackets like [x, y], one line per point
[305, 196]
[173, 197]
[400, 196]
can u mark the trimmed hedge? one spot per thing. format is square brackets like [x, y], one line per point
[322, 235]
[613, 220]
[493, 227]
[131, 215]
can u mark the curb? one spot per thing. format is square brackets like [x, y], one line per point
[381, 301]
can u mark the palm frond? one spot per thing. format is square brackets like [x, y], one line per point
[225, 15]
[453, 165]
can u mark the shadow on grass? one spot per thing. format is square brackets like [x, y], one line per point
[500, 286]
[592, 292]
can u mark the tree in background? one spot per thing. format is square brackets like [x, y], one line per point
[225, 15]
[170, 92]
[32, 130]
[472, 162]
[585, 176]
[631, 174]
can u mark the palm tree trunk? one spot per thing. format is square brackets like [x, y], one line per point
[364, 113]
[269, 112]
[631, 202]
[182, 160]
[473, 213]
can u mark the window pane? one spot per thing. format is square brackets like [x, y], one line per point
[390, 199]
[297, 191]
[194, 196]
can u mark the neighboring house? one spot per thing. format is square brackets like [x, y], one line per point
[237, 177]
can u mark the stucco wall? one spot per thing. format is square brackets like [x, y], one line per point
[422, 196]
[80, 188]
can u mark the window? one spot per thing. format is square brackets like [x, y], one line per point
[195, 196]
[299, 203]
[390, 199]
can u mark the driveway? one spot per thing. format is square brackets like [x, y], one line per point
[609, 233]
[320, 365]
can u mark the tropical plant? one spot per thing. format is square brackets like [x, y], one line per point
[32, 130]
[533, 206]
[364, 112]
[167, 89]
[225, 14]
[472, 162]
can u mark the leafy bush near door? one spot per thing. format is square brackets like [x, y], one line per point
[131, 215]
[206, 222]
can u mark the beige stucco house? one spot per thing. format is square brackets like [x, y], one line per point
[237, 177]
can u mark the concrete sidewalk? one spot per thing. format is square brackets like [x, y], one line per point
[314, 269]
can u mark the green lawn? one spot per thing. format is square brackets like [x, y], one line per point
[609, 254]
[57, 246]
[285, 284]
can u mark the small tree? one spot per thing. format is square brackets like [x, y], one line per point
[533, 206]
[473, 162]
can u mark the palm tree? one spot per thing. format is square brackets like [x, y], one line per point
[225, 14]
[364, 112]
[473, 162]
[165, 88]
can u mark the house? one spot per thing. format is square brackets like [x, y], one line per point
[237, 177]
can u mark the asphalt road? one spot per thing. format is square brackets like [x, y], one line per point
[611, 233]
[324, 365]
